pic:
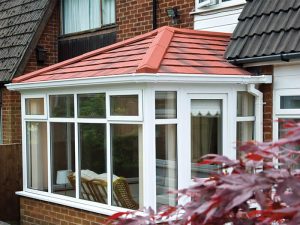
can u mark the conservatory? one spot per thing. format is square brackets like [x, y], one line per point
[117, 128]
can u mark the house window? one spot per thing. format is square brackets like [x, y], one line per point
[87, 14]
[216, 4]
[245, 118]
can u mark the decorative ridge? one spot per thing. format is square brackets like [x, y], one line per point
[158, 48]
[84, 56]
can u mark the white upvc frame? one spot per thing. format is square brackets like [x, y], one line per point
[139, 117]
[283, 93]
[39, 116]
[211, 5]
[279, 113]
[225, 91]
[226, 130]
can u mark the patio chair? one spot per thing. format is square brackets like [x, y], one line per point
[85, 187]
[99, 189]
[123, 195]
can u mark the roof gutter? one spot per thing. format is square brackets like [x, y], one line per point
[279, 57]
[143, 78]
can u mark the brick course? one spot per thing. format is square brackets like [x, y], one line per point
[35, 212]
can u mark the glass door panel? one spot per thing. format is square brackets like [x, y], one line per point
[206, 133]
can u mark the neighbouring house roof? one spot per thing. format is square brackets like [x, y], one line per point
[165, 50]
[21, 24]
[266, 28]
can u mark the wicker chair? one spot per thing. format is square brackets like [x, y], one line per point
[123, 195]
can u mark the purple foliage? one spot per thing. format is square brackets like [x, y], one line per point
[266, 176]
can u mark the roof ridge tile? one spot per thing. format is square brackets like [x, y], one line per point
[158, 48]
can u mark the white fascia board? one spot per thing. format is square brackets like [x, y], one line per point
[143, 78]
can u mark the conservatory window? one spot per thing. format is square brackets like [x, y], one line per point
[34, 106]
[166, 147]
[37, 157]
[61, 106]
[206, 131]
[87, 14]
[245, 118]
[92, 157]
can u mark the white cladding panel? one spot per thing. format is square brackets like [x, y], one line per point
[287, 76]
[218, 20]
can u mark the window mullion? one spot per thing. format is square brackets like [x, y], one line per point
[109, 164]
[77, 153]
[49, 158]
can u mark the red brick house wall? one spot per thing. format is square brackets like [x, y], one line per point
[134, 17]
[35, 212]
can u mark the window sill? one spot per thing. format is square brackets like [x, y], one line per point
[219, 7]
[74, 203]
[91, 31]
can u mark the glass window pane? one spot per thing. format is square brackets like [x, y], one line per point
[124, 105]
[37, 157]
[63, 158]
[245, 104]
[166, 164]
[290, 102]
[126, 152]
[245, 132]
[92, 145]
[61, 106]
[108, 12]
[206, 131]
[34, 106]
[91, 105]
[165, 104]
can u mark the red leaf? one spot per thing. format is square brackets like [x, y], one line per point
[254, 157]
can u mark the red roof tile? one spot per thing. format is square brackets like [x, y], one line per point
[165, 50]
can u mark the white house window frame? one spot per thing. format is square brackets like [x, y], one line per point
[283, 114]
[101, 22]
[210, 5]
[36, 117]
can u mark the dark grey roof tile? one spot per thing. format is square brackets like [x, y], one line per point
[19, 21]
[266, 27]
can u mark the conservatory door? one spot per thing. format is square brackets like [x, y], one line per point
[207, 127]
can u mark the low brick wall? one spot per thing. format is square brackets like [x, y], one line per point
[35, 212]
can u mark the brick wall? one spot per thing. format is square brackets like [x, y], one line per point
[267, 90]
[11, 116]
[34, 212]
[134, 17]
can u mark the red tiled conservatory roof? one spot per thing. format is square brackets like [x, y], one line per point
[165, 50]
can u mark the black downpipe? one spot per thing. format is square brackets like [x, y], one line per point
[154, 14]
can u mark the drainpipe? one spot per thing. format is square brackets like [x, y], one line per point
[258, 111]
[154, 15]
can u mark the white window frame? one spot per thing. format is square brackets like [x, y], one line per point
[107, 209]
[279, 113]
[215, 5]
[36, 117]
[139, 117]
[283, 93]
[90, 29]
